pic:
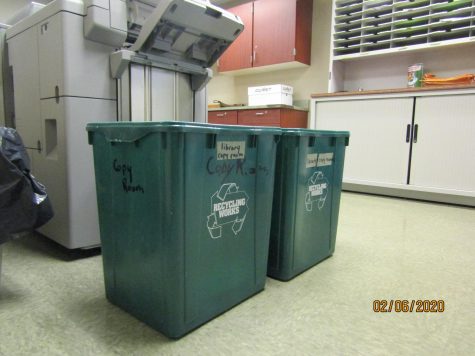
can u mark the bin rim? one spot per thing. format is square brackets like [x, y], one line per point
[114, 131]
[314, 133]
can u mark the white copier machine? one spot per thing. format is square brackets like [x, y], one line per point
[81, 61]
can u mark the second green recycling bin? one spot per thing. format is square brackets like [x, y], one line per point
[307, 192]
[184, 213]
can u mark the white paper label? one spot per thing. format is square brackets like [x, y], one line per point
[311, 160]
[230, 150]
[325, 159]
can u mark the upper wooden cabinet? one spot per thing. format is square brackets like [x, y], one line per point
[239, 54]
[276, 32]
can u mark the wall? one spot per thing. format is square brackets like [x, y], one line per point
[8, 8]
[312, 79]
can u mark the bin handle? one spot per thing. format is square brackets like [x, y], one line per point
[311, 141]
[113, 138]
[210, 141]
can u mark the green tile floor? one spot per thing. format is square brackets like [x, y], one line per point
[52, 302]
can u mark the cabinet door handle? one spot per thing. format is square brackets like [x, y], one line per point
[416, 129]
[408, 132]
[259, 113]
[221, 115]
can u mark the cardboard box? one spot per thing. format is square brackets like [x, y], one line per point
[277, 94]
[414, 75]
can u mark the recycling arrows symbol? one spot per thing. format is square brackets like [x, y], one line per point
[317, 191]
[228, 206]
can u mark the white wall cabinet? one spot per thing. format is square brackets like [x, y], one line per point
[416, 147]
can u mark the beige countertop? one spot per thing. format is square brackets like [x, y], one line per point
[260, 107]
[393, 91]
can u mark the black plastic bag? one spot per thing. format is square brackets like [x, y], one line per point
[24, 204]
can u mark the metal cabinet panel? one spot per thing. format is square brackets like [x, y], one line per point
[2, 105]
[184, 98]
[138, 104]
[86, 63]
[23, 55]
[50, 47]
[66, 168]
[78, 67]
[51, 167]
[201, 107]
[162, 95]
[443, 153]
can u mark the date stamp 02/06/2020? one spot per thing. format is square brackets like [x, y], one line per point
[408, 306]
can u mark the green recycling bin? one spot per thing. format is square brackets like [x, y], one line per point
[307, 193]
[184, 212]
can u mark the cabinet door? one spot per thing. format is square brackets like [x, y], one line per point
[378, 153]
[239, 54]
[303, 31]
[223, 117]
[274, 31]
[50, 47]
[443, 153]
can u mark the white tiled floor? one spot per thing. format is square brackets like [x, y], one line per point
[53, 303]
